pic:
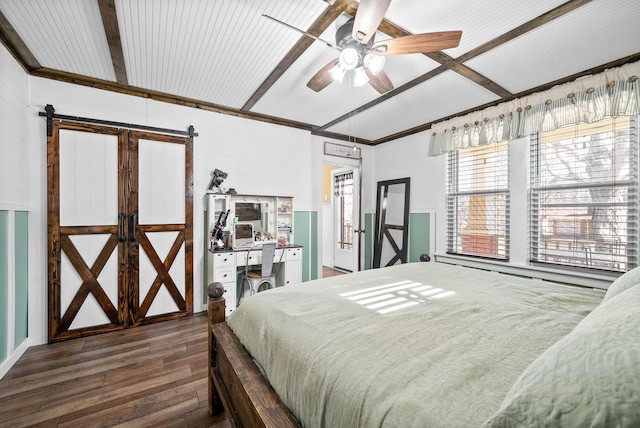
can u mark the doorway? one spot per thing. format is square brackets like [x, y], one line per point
[341, 217]
[345, 215]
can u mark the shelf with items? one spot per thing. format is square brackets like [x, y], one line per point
[219, 221]
[243, 221]
[285, 220]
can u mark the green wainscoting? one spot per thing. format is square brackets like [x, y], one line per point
[370, 230]
[21, 293]
[419, 237]
[419, 227]
[305, 233]
[4, 284]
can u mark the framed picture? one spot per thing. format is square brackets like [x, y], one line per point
[341, 150]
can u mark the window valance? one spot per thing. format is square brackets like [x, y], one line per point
[614, 92]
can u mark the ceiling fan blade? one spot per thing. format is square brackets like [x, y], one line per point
[322, 78]
[331, 45]
[418, 43]
[380, 81]
[368, 17]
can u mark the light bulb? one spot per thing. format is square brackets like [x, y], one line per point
[360, 77]
[374, 63]
[337, 73]
[349, 58]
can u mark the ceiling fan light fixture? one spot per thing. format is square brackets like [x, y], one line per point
[349, 58]
[337, 73]
[374, 63]
[360, 77]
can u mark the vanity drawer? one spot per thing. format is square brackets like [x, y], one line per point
[224, 259]
[224, 274]
[294, 254]
[255, 258]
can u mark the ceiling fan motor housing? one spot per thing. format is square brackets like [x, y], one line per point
[345, 40]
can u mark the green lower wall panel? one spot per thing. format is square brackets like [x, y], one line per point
[418, 235]
[370, 230]
[205, 258]
[305, 233]
[21, 293]
[4, 284]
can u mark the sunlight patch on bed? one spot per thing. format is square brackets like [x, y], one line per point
[396, 296]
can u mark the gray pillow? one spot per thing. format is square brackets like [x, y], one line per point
[589, 378]
[623, 282]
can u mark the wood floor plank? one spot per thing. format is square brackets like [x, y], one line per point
[153, 375]
[64, 373]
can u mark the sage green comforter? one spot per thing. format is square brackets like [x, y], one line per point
[419, 344]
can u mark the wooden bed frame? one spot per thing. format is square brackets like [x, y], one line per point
[236, 385]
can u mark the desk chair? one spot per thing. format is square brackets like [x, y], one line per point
[264, 278]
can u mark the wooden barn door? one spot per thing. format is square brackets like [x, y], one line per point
[161, 221]
[94, 229]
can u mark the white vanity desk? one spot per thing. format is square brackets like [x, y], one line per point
[227, 266]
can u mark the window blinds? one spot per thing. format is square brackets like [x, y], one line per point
[584, 195]
[478, 201]
[343, 184]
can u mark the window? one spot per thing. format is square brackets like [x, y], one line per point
[584, 195]
[478, 201]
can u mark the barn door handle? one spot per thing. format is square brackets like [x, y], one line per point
[121, 220]
[132, 228]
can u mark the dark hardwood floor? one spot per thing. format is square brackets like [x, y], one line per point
[153, 375]
[327, 272]
[149, 376]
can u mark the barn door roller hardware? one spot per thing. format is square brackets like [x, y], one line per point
[49, 113]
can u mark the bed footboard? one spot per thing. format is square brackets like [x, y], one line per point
[235, 383]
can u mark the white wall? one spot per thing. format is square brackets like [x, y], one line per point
[15, 148]
[407, 157]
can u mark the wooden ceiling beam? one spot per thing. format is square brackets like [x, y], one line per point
[112, 31]
[457, 65]
[599, 69]
[532, 24]
[318, 27]
[14, 44]
[384, 97]
[109, 85]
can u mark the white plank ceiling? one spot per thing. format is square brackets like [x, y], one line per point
[225, 56]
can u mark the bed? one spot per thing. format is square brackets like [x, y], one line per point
[429, 344]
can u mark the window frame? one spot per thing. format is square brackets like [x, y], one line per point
[479, 245]
[580, 252]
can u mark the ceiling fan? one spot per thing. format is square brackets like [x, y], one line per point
[363, 56]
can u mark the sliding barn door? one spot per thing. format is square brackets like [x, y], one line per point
[161, 219]
[119, 229]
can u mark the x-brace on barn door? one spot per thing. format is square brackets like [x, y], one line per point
[392, 222]
[120, 238]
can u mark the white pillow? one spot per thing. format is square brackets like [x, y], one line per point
[623, 282]
[589, 378]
